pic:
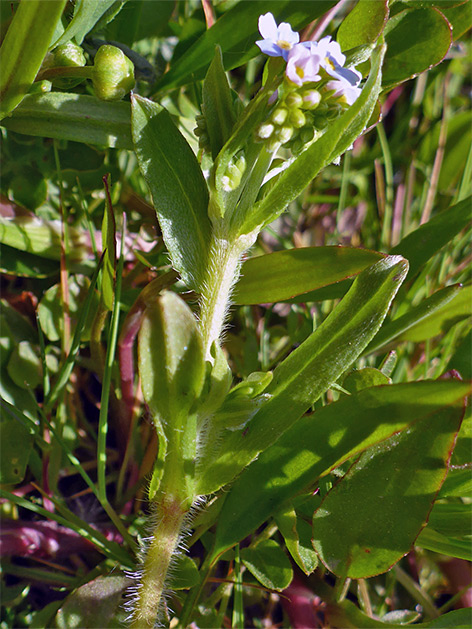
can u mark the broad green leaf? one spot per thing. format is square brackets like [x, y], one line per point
[420, 246]
[236, 33]
[302, 377]
[337, 139]
[318, 443]
[86, 14]
[452, 518]
[284, 274]
[24, 48]
[417, 40]
[363, 25]
[171, 363]
[458, 483]
[217, 104]
[73, 117]
[430, 539]
[269, 564]
[297, 536]
[184, 574]
[39, 236]
[386, 497]
[16, 443]
[459, 17]
[455, 310]
[177, 186]
[26, 264]
[363, 378]
[24, 366]
[95, 604]
[462, 357]
[421, 318]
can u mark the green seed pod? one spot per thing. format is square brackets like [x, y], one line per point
[113, 73]
[171, 360]
[279, 116]
[69, 55]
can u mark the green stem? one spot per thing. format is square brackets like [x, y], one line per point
[74, 72]
[169, 514]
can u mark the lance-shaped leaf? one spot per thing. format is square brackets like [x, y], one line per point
[363, 25]
[217, 104]
[338, 137]
[177, 186]
[302, 377]
[73, 117]
[386, 497]
[86, 15]
[284, 274]
[318, 443]
[24, 48]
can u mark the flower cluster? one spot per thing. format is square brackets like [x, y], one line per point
[315, 79]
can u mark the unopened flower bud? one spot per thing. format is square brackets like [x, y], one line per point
[311, 99]
[284, 134]
[265, 131]
[69, 55]
[320, 122]
[279, 116]
[113, 73]
[307, 134]
[297, 118]
[293, 99]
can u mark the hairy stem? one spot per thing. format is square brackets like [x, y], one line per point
[170, 514]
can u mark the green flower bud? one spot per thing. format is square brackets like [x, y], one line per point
[284, 134]
[320, 122]
[69, 55]
[297, 118]
[297, 146]
[307, 134]
[311, 99]
[294, 99]
[279, 116]
[265, 131]
[113, 73]
[40, 87]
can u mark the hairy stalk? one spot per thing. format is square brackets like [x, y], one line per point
[170, 515]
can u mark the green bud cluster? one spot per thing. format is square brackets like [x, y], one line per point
[201, 132]
[298, 115]
[113, 73]
[235, 170]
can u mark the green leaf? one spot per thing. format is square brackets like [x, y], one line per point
[363, 378]
[297, 536]
[217, 104]
[39, 236]
[24, 48]
[16, 443]
[284, 274]
[420, 246]
[109, 253]
[430, 539]
[236, 31]
[453, 311]
[302, 377]
[318, 443]
[86, 14]
[26, 264]
[94, 605]
[462, 357]
[459, 17]
[73, 117]
[184, 574]
[417, 40]
[338, 137]
[24, 366]
[269, 564]
[422, 318]
[177, 186]
[386, 497]
[452, 518]
[363, 25]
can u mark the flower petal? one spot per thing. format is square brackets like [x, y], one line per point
[269, 48]
[268, 26]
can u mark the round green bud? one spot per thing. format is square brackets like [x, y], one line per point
[113, 73]
[307, 134]
[297, 118]
[297, 146]
[293, 99]
[284, 134]
[320, 122]
[69, 55]
[279, 116]
[311, 99]
[265, 131]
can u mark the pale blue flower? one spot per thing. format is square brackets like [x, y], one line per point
[332, 60]
[278, 40]
[344, 90]
[303, 65]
